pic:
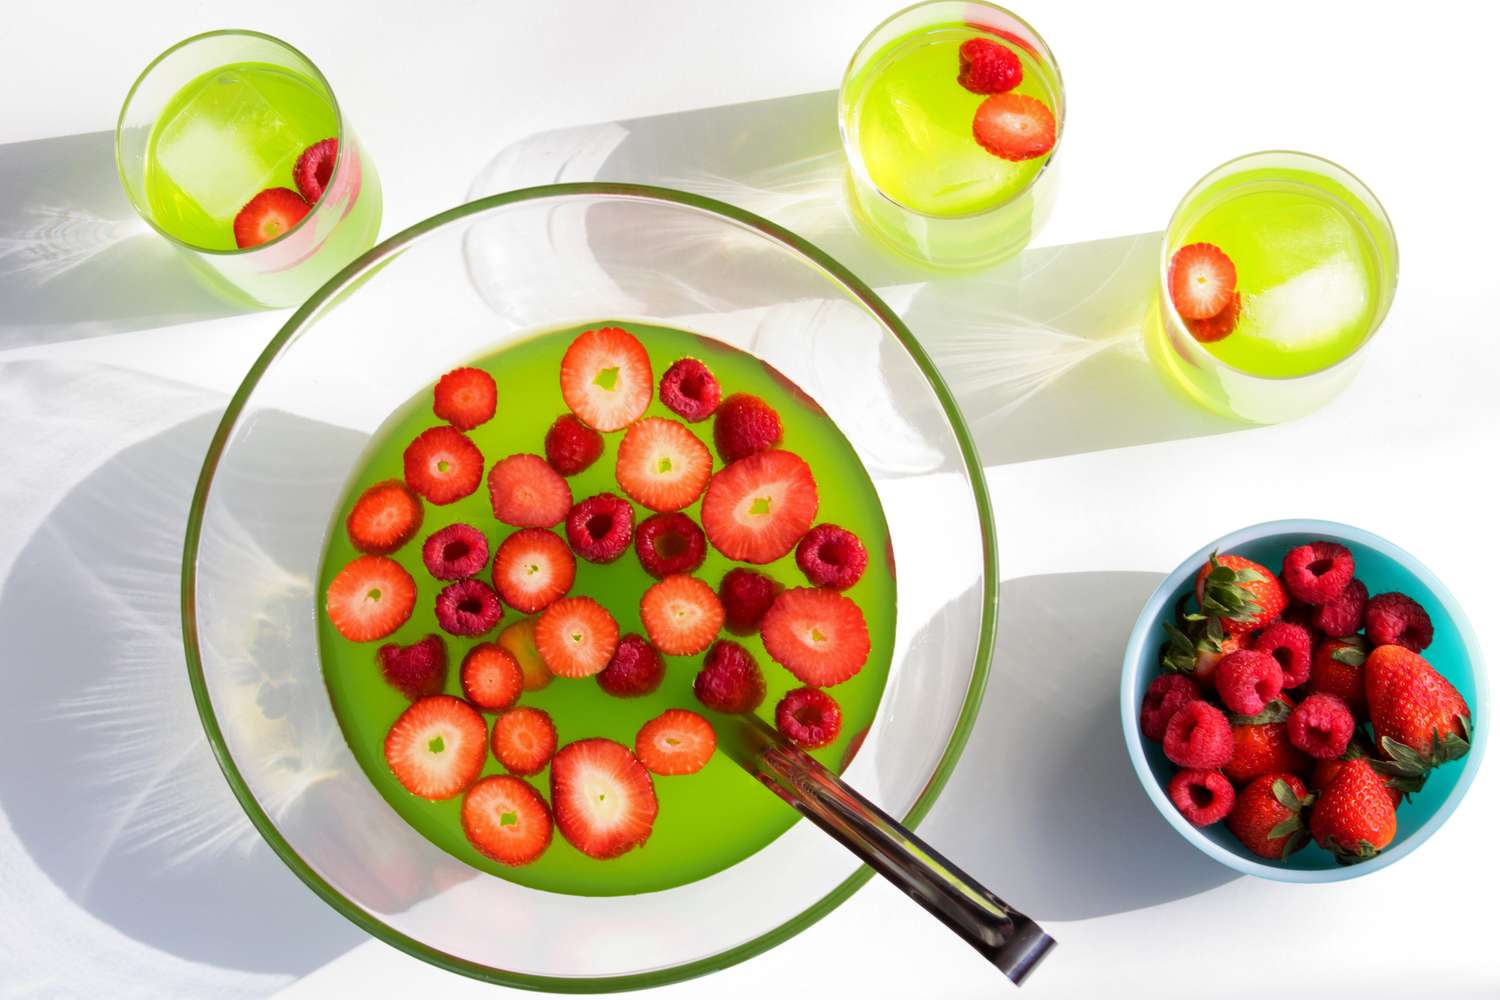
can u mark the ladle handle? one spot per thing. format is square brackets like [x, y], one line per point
[1010, 940]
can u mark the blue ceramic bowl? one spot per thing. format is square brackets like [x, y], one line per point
[1383, 567]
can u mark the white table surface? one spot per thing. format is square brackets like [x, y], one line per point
[108, 393]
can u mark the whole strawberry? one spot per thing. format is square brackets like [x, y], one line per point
[1195, 645]
[1261, 745]
[1353, 816]
[1324, 770]
[1243, 594]
[1338, 668]
[1267, 815]
[1420, 720]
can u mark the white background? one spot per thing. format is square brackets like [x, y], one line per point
[1157, 94]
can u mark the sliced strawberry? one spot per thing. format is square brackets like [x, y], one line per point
[676, 742]
[662, 465]
[527, 492]
[1217, 326]
[602, 798]
[268, 215]
[506, 820]
[756, 510]
[524, 740]
[1015, 127]
[819, 635]
[315, 168]
[370, 598]
[491, 677]
[682, 615]
[606, 378]
[576, 637]
[443, 465]
[519, 639]
[1200, 280]
[465, 397]
[436, 748]
[385, 517]
[533, 568]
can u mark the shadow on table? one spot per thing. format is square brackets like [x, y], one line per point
[75, 259]
[1046, 355]
[1044, 351]
[114, 793]
[1044, 807]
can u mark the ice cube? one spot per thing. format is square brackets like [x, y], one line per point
[1315, 306]
[1297, 234]
[914, 122]
[225, 144]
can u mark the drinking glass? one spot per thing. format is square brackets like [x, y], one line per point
[972, 239]
[283, 271]
[1231, 390]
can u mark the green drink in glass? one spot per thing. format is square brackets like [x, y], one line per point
[950, 115]
[1304, 259]
[232, 146]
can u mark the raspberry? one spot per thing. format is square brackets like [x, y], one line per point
[1164, 697]
[417, 670]
[572, 445]
[1204, 797]
[1318, 572]
[730, 680]
[1198, 736]
[1291, 647]
[690, 390]
[1321, 726]
[809, 718]
[1305, 615]
[986, 67]
[746, 596]
[1343, 615]
[600, 527]
[668, 544]
[745, 425]
[455, 552]
[1397, 620]
[636, 669]
[314, 169]
[832, 557]
[1248, 680]
[468, 607]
